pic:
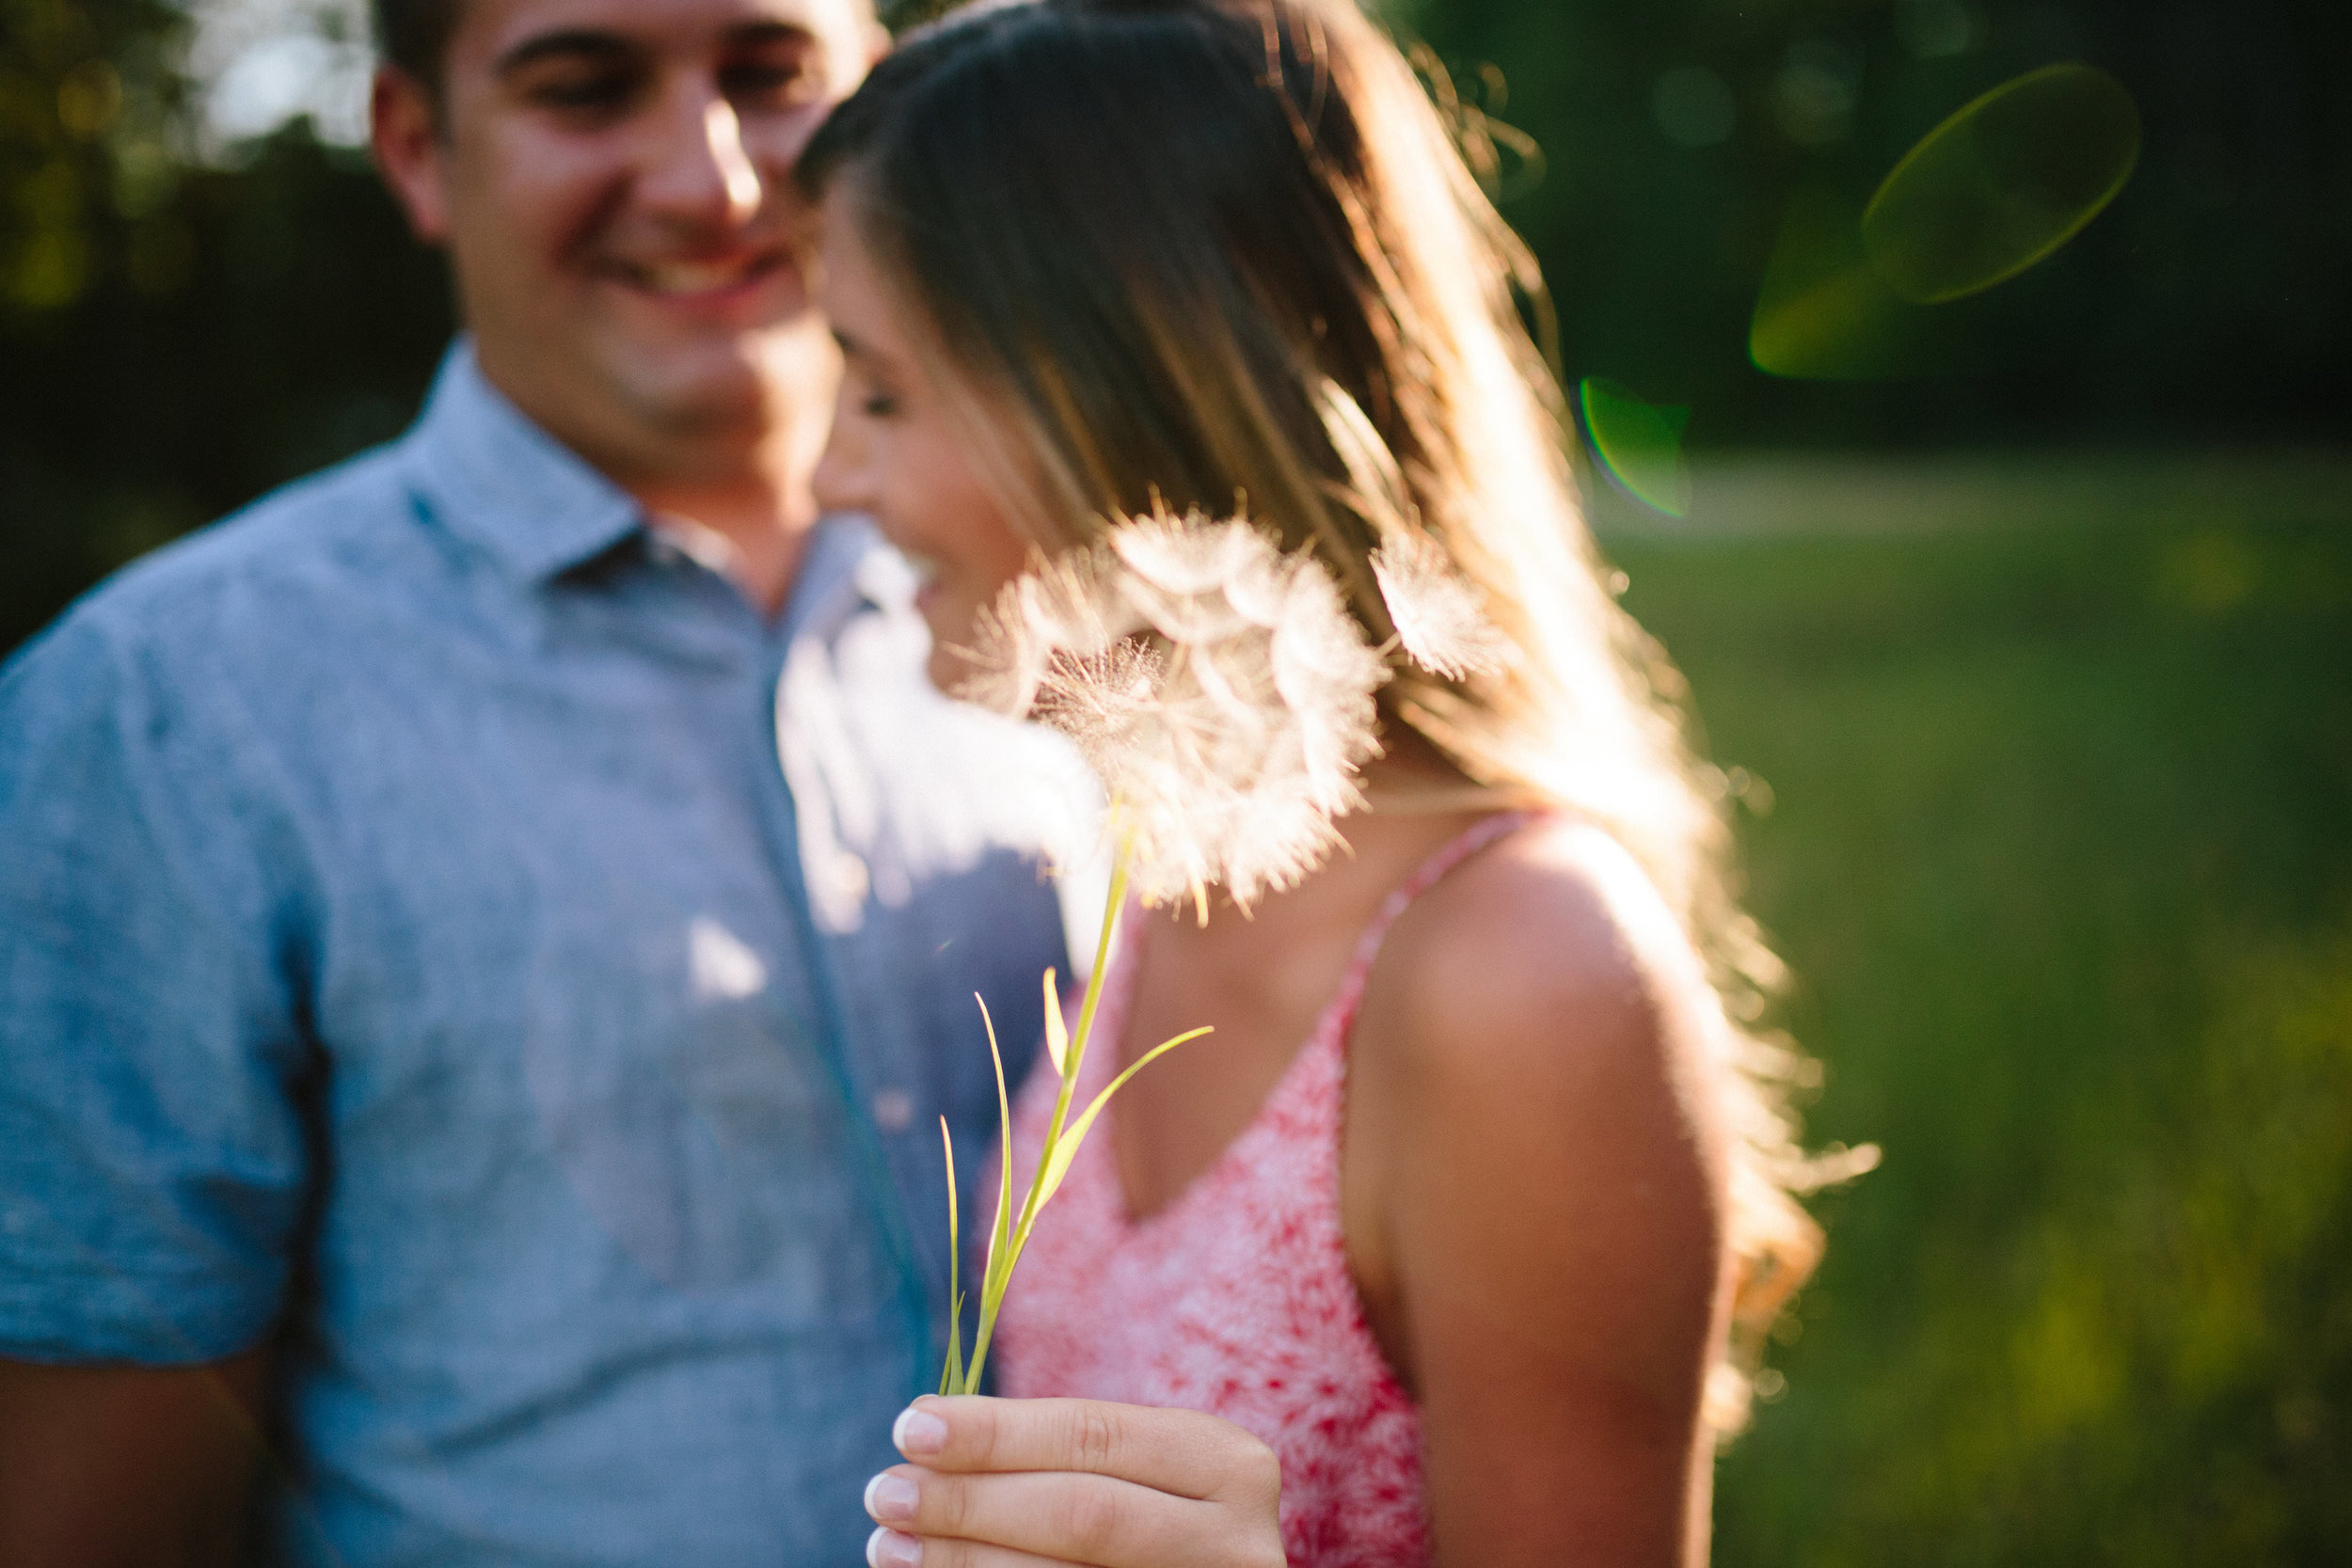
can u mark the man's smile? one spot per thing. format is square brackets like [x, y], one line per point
[688, 278]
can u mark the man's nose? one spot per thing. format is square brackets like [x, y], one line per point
[697, 168]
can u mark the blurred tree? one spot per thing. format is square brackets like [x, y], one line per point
[178, 336]
[175, 338]
[2208, 303]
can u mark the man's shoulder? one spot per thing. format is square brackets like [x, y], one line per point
[307, 534]
[284, 561]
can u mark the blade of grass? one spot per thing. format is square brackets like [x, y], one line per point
[1113, 905]
[999, 1266]
[1058, 1164]
[952, 1374]
[1057, 1030]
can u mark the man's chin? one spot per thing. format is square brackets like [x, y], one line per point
[708, 389]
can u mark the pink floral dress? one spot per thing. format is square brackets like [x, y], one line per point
[1235, 1298]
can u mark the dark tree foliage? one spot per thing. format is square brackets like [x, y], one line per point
[2208, 303]
[177, 337]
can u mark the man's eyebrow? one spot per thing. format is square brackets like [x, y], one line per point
[590, 42]
[770, 31]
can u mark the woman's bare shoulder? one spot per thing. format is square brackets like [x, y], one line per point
[1544, 1149]
[1537, 960]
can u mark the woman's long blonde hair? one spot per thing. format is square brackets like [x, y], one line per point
[1205, 251]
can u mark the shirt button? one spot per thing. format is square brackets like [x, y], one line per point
[893, 1110]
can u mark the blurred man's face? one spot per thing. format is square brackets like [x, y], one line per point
[613, 178]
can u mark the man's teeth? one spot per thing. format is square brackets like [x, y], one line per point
[691, 278]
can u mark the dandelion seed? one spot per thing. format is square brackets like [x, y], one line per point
[1439, 622]
[1438, 619]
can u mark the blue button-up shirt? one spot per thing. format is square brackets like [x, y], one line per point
[442, 923]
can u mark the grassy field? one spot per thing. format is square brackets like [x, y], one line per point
[2056, 833]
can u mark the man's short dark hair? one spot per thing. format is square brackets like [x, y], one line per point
[414, 35]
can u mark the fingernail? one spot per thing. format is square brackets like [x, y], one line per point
[887, 1548]
[890, 1499]
[918, 1433]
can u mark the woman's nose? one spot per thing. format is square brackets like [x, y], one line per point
[842, 481]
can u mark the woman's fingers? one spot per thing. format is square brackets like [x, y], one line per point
[1066, 1516]
[1182, 1453]
[1005, 1482]
[889, 1548]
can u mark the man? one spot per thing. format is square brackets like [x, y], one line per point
[488, 936]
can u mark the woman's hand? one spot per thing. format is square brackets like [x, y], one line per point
[1022, 1483]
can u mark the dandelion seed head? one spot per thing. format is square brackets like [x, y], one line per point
[1439, 622]
[1219, 688]
[1060, 612]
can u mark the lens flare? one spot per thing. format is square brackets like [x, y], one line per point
[2002, 183]
[1639, 444]
[1822, 314]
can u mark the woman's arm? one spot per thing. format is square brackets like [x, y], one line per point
[1545, 1205]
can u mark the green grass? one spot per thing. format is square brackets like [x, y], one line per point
[2059, 844]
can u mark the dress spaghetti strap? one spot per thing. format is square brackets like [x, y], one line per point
[1477, 836]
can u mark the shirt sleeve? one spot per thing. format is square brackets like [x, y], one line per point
[154, 1156]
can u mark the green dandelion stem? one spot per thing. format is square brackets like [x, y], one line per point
[1064, 1138]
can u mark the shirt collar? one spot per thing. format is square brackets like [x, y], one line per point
[501, 482]
[845, 568]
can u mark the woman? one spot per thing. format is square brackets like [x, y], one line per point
[1496, 1303]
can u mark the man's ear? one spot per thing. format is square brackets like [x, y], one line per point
[405, 133]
